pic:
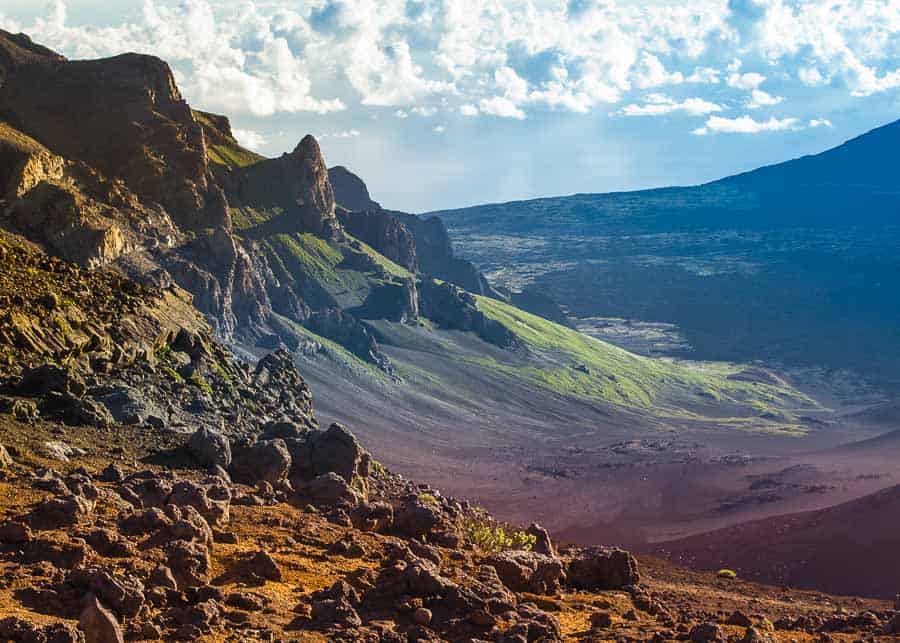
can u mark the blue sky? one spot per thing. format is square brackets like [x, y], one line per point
[444, 103]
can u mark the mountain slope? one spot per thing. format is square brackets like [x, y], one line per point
[792, 263]
[261, 526]
[846, 549]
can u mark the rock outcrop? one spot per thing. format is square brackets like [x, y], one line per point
[455, 308]
[133, 354]
[350, 191]
[436, 258]
[429, 248]
[383, 232]
[297, 186]
[151, 139]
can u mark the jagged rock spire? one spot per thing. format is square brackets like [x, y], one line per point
[311, 188]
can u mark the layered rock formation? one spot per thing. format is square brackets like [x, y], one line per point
[383, 232]
[406, 238]
[150, 140]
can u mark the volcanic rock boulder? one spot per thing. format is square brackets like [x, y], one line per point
[122, 592]
[337, 450]
[524, 571]
[267, 460]
[542, 542]
[600, 568]
[210, 448]
[189, 562]
[416, 518]
[282, 389]
[331, 490]
[99, 624]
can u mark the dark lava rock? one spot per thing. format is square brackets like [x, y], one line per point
[524, 571]
[189, 562]
[210, 448]
[99, 624]
[267, 460]
[542, 544]
[706, 633]
[332, 490]
[121, 591]
[602, 568]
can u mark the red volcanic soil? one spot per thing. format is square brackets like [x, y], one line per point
[851, 548]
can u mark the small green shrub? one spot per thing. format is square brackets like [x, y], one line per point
[163, 352]
[427, 499]
[491, 538]
[200, 383]
[729, 574]
[172, 373]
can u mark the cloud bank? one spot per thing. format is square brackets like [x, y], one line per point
[506, 58]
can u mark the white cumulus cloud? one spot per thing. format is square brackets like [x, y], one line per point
[759, 98]
[745, 125]
[250, 139]
[500, 106]
[657, 105]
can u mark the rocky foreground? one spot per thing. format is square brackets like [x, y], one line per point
[153, 487]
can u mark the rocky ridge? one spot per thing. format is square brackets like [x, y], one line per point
[408, 239]
[166, 195]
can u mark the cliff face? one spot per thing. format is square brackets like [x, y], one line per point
[383, 232]
[123, 116]
[70, 208]
[436, 254]
[295, 185]
[430, 249]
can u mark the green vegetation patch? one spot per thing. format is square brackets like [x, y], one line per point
[573, 364]
[389, 266]
[233, 156]
[199, 382]
[490, 537]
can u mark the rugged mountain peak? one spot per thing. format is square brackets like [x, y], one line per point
[350, 190]
[311, 189]
[308, 148]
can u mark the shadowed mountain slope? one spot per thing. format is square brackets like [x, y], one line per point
[792, 263]
[846, 549]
